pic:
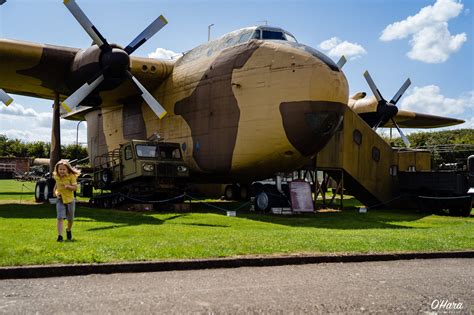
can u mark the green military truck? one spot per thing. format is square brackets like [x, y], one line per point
[137, 170]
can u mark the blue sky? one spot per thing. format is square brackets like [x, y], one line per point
[428, 41]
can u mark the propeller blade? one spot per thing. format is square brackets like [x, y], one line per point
[342, 61]
[5, 98]
[400, 92]
[372, 86]
[377, 125]
[404, 138]
[85, 23]
[76, 98]
[151, 30]
[149, 99]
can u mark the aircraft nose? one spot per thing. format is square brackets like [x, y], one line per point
[309, 125]
[310, 122]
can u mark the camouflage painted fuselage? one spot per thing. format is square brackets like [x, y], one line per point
[240, 113]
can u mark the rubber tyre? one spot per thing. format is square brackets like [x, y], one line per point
[257, 188]
[230, 192]
[262, 202]
[106, 177]
[244, 193]
[39, 190]
[48, 189]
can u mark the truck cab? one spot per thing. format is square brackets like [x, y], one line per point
[141, 165]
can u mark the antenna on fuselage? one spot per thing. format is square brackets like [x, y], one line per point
[342, 61]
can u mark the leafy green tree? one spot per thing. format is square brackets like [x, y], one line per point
[73, 152]
[38, 149]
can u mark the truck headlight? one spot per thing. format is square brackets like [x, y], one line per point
[148, 167]
[182, 169]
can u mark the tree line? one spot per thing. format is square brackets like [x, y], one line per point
[461, 143]
[38, 149]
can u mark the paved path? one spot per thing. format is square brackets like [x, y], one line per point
[411, 286]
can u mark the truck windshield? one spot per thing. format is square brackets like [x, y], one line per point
[170, 152]
[147, 151]
[166, 152]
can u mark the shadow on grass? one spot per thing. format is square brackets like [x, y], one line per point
[348, 219]
[85, 214]
[16, 193]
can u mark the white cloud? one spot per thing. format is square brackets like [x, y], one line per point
[431, 40]
[335, 48]
[27, 124]
[428, 99]
[161, 53]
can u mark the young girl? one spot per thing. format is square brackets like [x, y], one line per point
[66, 184]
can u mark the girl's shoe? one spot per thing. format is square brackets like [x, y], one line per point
[60, 238]
[69, 235]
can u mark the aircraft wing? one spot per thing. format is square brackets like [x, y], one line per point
[405, 119]
[40, 70]
[408, 119]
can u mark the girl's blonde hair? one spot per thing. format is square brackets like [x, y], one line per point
[70, 169]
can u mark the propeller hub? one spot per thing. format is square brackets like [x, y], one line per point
[115, 63]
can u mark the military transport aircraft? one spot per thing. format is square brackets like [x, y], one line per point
[243, 107]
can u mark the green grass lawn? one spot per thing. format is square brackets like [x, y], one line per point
[28, 233]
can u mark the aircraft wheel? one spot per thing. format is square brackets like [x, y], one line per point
[39, 190]
[48, 189]
[231, 192]
[244, 192]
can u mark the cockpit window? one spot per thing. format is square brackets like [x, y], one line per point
[290, 38]
[273, 35]
[257, 34]
[244, 37]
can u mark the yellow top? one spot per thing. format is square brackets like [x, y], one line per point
[67, 195]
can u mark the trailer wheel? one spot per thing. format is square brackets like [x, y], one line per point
[39, 190]
[262, 201]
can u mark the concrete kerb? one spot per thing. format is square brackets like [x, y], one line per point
[18, 272]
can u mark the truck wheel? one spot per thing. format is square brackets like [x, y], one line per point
[106, 177]
[39, 190]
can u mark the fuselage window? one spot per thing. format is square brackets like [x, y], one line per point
[375, 154]
[357, 136]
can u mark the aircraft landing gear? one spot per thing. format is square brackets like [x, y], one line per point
[268, 196]
[44, 190]
[237, 192]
